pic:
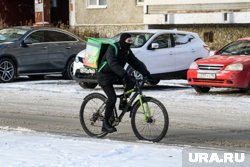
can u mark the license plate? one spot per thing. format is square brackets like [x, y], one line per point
[84, 70]
[206, 76]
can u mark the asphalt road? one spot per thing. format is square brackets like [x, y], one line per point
[209, 120]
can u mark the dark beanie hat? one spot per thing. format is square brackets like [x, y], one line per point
[122, 42]
[124, 36]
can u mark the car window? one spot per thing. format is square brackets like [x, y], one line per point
[55, 36]
[139, 38]
[116, 38]
[236, 48]
[36, 37]
[164, 41]
[11, 34]
[182, 39]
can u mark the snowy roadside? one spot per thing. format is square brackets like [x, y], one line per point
[26, 148]
[219, 118]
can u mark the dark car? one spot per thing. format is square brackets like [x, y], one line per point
[37, 51]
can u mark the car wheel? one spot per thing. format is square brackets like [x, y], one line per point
[68, 73]
[85, 85]
[246, 90]
[154, 81]
[201, 89]
[7, 70]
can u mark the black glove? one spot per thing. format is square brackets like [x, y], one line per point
[128, 81]
[148, 78]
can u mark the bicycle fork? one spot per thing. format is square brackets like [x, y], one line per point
[145, 109]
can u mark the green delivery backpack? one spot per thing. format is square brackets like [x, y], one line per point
[95, 50]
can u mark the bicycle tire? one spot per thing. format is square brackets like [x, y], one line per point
[149, 131]
[89, 107]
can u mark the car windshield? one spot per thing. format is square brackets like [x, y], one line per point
[139, 38]
[11, 34]
[236, 48]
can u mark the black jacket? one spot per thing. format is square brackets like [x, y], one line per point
[114, 71]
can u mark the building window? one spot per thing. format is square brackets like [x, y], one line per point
[54, 3]
[139, 2]
[166, 18]
[208, 36]
[97, 3]
[225, 16]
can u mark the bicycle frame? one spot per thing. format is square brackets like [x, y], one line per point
[137, 92]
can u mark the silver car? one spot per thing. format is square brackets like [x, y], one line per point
[166, 53]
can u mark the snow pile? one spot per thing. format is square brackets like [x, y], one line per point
[25, 148]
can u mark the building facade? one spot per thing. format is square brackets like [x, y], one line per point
[216, 21]
[29, 12]
[16, 12]
[106, 17]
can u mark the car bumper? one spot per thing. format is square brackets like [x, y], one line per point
[81, 74]
[231, 79]
[84, 77]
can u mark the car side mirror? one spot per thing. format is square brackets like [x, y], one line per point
[190, 39]
[154, 46]
[26, 42]
[215, 52]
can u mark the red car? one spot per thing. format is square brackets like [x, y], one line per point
[228, 68]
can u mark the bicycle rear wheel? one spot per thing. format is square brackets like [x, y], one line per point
[92, 114]
[154, 127]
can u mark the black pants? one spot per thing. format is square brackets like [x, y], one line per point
[110, 105]
[110, 92]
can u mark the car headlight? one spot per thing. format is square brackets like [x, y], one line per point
[77, 59]
[234, 67]
[193, 66]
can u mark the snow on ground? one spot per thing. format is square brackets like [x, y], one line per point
[25, 148]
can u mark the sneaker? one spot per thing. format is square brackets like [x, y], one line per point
[109, 130]
[106, 127]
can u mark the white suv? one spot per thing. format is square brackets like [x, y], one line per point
[166, 53]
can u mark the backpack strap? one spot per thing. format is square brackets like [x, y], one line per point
[102, 65]
[112, 43]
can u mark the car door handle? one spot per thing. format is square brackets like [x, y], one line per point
[45, 47]
[193, 51]
[68, 47]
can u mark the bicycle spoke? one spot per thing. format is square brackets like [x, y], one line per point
[155, 126]
[91, 115]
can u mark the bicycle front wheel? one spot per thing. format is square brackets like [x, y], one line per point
[92, 114]
[153, 127]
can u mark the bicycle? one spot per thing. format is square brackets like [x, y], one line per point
[149, 117]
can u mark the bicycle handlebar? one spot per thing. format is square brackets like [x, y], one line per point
[140, 82]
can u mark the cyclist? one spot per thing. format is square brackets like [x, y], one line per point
[114, 72]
